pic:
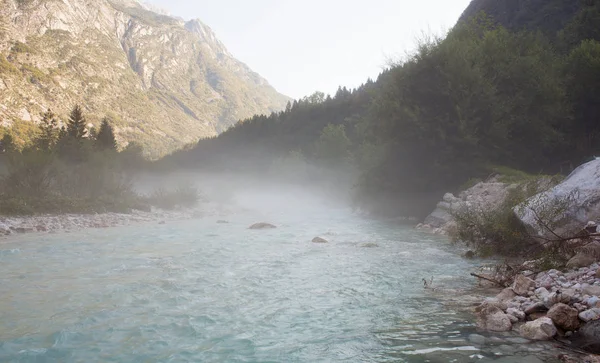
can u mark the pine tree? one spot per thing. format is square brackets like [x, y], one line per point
[76, 128]
[106, 137]
[49, 129]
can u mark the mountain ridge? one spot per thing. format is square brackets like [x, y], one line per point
[165, 82]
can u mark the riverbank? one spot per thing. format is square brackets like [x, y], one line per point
[551, 225]
[12, 226]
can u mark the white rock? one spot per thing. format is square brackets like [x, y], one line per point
[540, 329]
[589, 315]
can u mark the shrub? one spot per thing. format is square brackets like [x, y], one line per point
[185, 195]
[498, 231]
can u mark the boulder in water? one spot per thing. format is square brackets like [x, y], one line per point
[262, 225]
[319, 240]
[540, 329]
[491, 317]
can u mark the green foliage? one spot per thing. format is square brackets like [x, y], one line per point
[7, 67]
[76, 127]
[49, 131]
[582, 73]
[7, 144]
[19, 47]
[40, 182]
[333, 145]
[36, 75]
[184, 196]
[105, 140]
[496, 231]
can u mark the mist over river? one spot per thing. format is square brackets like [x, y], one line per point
[202, 291]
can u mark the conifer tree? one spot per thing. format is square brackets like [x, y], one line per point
[49, 129]
[106, 137]
[76, 128]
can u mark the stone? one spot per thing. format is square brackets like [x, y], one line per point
[588, 337]
[581, 260]
[598, 274]
[540, 329]
[542, 293]
[516, 313]
[522, 284]
[493, 319]
[506, 295]
[319, 240]
[536, 308]
[582, 188]
[593, 290]
[262, 226]
[592, 301]
[590, 315]
[564, 317]
[477, 339]
[557, 297]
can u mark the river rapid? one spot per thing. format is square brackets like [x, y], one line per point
[204, 290]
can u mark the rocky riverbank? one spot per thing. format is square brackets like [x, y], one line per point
[563, 304]
[10, 226]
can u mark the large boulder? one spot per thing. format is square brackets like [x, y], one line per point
[522, 285]
[581, 188]
[564, 317]
[491, 317]
[540, 329]
[588, 337]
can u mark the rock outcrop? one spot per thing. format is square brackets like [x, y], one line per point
[165, 82]
[480, 196]
[577, 197]
[319, 240]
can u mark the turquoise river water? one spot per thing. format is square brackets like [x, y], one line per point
[199, 291]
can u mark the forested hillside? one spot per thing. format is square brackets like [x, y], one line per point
[484, 98]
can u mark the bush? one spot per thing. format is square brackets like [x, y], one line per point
[498, 231]
[185, 196]
[38, 182]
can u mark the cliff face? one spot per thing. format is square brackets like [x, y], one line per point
[165, 82]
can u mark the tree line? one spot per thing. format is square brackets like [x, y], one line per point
[76, 169]
[461, 107]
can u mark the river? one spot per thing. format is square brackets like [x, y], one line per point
[202, 291]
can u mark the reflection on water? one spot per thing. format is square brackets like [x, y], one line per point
[200, 291]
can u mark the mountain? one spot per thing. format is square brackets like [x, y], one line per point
[549, 16]
[164, 82]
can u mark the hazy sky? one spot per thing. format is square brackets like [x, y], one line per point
[306, 46]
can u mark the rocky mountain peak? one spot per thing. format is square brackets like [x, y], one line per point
[164, 81]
